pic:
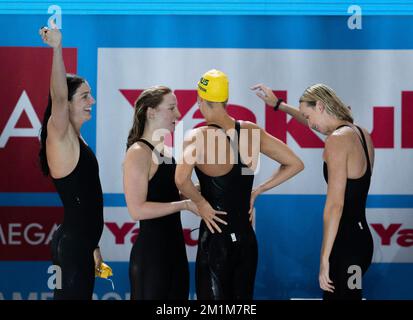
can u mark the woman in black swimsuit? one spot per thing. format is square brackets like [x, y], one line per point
[347, 247]
[74, 170]
[226, 261]
[158, 266]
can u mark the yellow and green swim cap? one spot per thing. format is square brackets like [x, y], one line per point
[213, 86]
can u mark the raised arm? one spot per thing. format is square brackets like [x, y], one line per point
[335, 155]
[266, 94]
[135, 183]
[58, 85]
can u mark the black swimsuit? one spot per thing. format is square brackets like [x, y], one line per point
[226, 262]
[158, 267]
[75, 240]
[353, 245]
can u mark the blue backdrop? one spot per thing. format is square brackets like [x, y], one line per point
[294, 255]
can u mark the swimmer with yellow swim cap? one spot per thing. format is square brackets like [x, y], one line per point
[226, 260]
[213, 86]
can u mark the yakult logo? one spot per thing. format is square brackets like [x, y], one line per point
[394, 233]
[277, 124]
[128, 231]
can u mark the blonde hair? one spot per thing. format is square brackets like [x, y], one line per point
[332, 103]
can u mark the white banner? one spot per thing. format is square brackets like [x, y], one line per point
[363, 79]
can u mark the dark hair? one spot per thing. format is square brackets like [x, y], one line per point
[73, 83]
[150, 98]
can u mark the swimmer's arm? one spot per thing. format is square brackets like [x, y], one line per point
[58, 85]
[197, 186]
[97, 256]
[135, 183]
[290, 163]
[294, 112]
[335, 155]
[183, 181]
[268, 96]
[183, 173]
